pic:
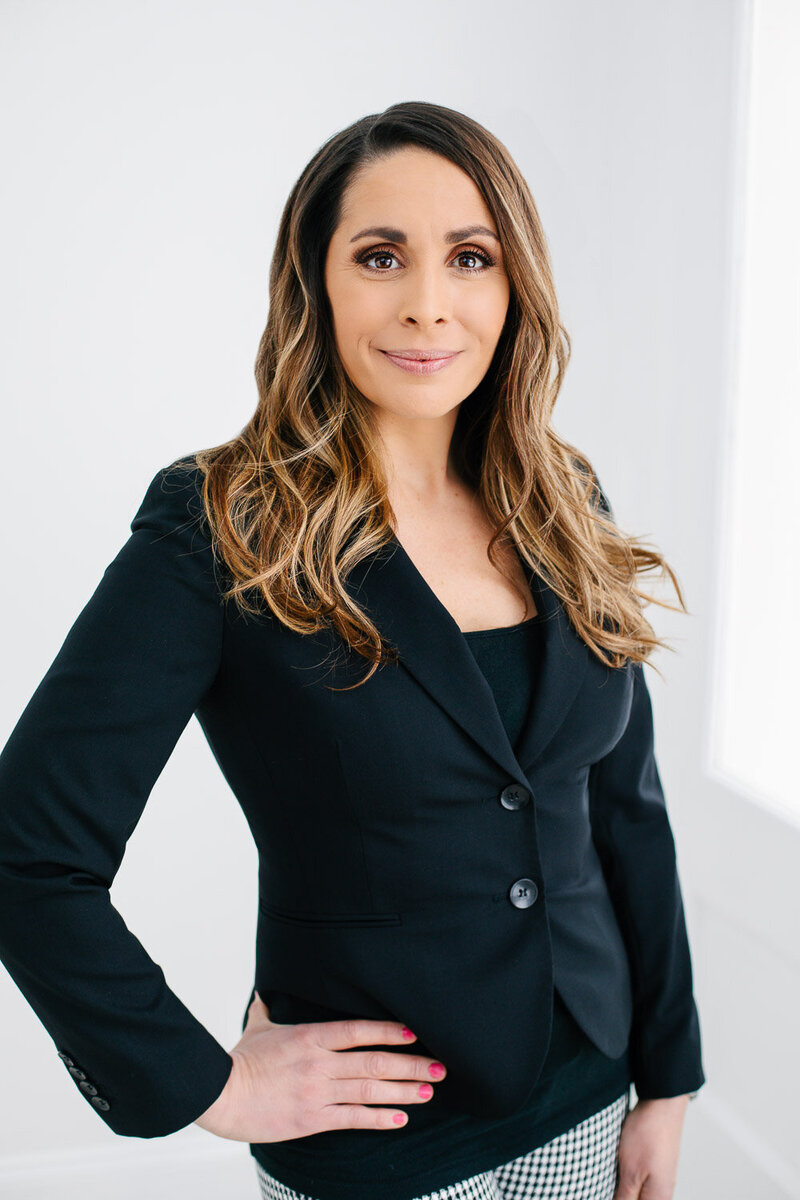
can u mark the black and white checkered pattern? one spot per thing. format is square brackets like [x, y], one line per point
[580, 1164]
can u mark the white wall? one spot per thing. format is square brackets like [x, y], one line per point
[149, 148]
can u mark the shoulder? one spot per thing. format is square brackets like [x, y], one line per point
[171, 524]
[173, 499]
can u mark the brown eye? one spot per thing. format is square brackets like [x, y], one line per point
[383, 255]
[365, 257]
[479, 254]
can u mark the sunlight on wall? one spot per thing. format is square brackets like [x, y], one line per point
[756, 738]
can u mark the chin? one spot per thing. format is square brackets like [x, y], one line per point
[426, 408]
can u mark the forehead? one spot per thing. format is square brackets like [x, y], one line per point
[412, 188]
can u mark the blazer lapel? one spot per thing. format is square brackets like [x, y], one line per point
[432, 648]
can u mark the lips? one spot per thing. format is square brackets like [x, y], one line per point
[420, 355]
[420, 362]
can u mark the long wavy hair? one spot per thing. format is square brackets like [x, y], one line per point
[298, 497]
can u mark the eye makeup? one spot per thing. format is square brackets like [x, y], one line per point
[362, 257]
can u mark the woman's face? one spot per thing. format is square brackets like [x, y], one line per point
[415, 265]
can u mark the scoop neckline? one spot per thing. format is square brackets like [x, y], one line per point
[497, 629]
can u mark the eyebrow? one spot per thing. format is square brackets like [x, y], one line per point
[396, 235]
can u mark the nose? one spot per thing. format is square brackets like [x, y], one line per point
[426, 297]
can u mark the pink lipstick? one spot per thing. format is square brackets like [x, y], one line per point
[420, 362]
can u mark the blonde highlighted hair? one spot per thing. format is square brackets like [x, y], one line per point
[298, 497]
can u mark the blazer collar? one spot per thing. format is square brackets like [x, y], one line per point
[433, 649]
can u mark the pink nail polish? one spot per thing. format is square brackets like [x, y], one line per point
[436, 1069]
[407, 1032]
[425, 1090]
[399, 1118]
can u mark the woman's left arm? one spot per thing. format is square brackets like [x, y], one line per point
[634, 839]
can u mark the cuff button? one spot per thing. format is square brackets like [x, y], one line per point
[99, 1102]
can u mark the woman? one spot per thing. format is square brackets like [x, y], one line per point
[470, 837]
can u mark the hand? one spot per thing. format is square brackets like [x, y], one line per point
[649, 1144]
[291, 1080]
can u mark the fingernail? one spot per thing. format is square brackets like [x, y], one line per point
[407, 1032]
[425, 1090]
[436, 1069]
[399, 1118]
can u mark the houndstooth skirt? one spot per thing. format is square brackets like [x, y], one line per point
[580, 1164]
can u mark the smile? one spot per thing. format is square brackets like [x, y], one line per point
[419, 366]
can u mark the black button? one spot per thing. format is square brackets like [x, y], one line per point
[89, 1088]
[77, 1072]
[523, 893]
[99, 1102]
[514, 796]
[65, 1058]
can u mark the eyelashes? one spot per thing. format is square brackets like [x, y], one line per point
[363, 257]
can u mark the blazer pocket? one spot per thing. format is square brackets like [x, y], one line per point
[329, 920]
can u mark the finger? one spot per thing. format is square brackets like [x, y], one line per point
[383, 1064]
[629, 1188]
[358, 1031]
[378, 1091]
[358, 1116]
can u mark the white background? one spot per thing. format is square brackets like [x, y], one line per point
[148, 149]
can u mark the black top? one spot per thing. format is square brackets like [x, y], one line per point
[576, 1081]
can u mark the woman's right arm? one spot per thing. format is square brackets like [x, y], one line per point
[75, 775]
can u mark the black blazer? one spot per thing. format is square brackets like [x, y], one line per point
[413, 865]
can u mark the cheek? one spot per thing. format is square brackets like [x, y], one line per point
[485, 311]
[498, 302]
[347, 304]
[360, 319]
[348, 332]
[354, 340]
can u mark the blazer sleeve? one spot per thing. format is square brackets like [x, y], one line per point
[635, 842]
[75, 775]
